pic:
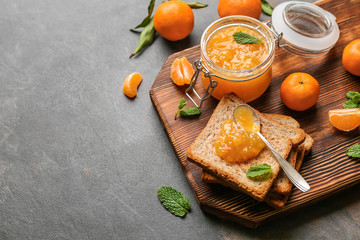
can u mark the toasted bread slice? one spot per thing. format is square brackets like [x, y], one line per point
[282, 186]
[286, 120]
[308, 143]
[202, 152]
[277, 200]
[289, 126]
[273, 199]
[209, 178]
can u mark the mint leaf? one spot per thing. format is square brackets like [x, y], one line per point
[260, 172]
[353, 95]
[353, 100]
[354, 151]
[190, 112]
[181, 105]
[244, 38]
[174, 201]
[266, 7]
[187, 112]
[356, 99]
[350, 104]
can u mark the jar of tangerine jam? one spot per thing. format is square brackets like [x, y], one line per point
[245, 69]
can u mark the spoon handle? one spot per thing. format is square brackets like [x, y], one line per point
[292, 174]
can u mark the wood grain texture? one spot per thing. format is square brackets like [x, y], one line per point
[327, 168]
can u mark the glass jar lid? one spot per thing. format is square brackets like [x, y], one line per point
[306, 29]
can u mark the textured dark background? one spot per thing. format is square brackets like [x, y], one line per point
[79, 160]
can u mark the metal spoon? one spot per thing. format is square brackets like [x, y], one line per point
[292, 174]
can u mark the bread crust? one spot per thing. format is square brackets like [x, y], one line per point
[202, 153]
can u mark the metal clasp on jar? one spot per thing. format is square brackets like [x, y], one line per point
[210, 88]
[277, 36]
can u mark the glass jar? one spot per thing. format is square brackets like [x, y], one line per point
[299, 27]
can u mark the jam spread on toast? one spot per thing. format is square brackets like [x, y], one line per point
[238, 141]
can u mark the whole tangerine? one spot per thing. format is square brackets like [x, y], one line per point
[351, 57]
[250, 8]
[299, 91]
[174, 20]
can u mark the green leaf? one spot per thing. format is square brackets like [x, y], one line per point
[195, 5]
[260, 172]
[356, 99]
[353, 100]
[147, 19]
[182, 103]
[353, 95]
[266, 7]
[190, 112]
[244, 38]
[174, 201]
[350, 104]
[147, 36]
[354, 151]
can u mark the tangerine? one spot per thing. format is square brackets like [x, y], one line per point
[181, 71]
[174, 20]
[250, 8]
[351, 57]
[131, 84]
[345, 119]
[299, 91]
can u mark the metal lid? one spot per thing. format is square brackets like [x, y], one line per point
[306, 29]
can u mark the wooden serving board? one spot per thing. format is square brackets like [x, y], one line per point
[327, 168]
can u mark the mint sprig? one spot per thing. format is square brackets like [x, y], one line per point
[350, 104]
[187, 112]
[244, 38]
[181, 105]
[354, 151]
[260, 172]
[352, 94]
[174, 201]
[353, 100]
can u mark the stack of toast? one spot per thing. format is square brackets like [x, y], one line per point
[283, 133]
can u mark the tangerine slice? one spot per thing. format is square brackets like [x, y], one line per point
[181, 71]
[131, 84]
[345, 119]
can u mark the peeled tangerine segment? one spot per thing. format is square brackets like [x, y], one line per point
[345, 119]
[131, 84]
[181, 71]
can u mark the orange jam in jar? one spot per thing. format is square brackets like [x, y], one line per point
[225, 52]
[238, 141]
[244, 69]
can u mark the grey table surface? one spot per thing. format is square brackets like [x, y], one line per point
[79, 160]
